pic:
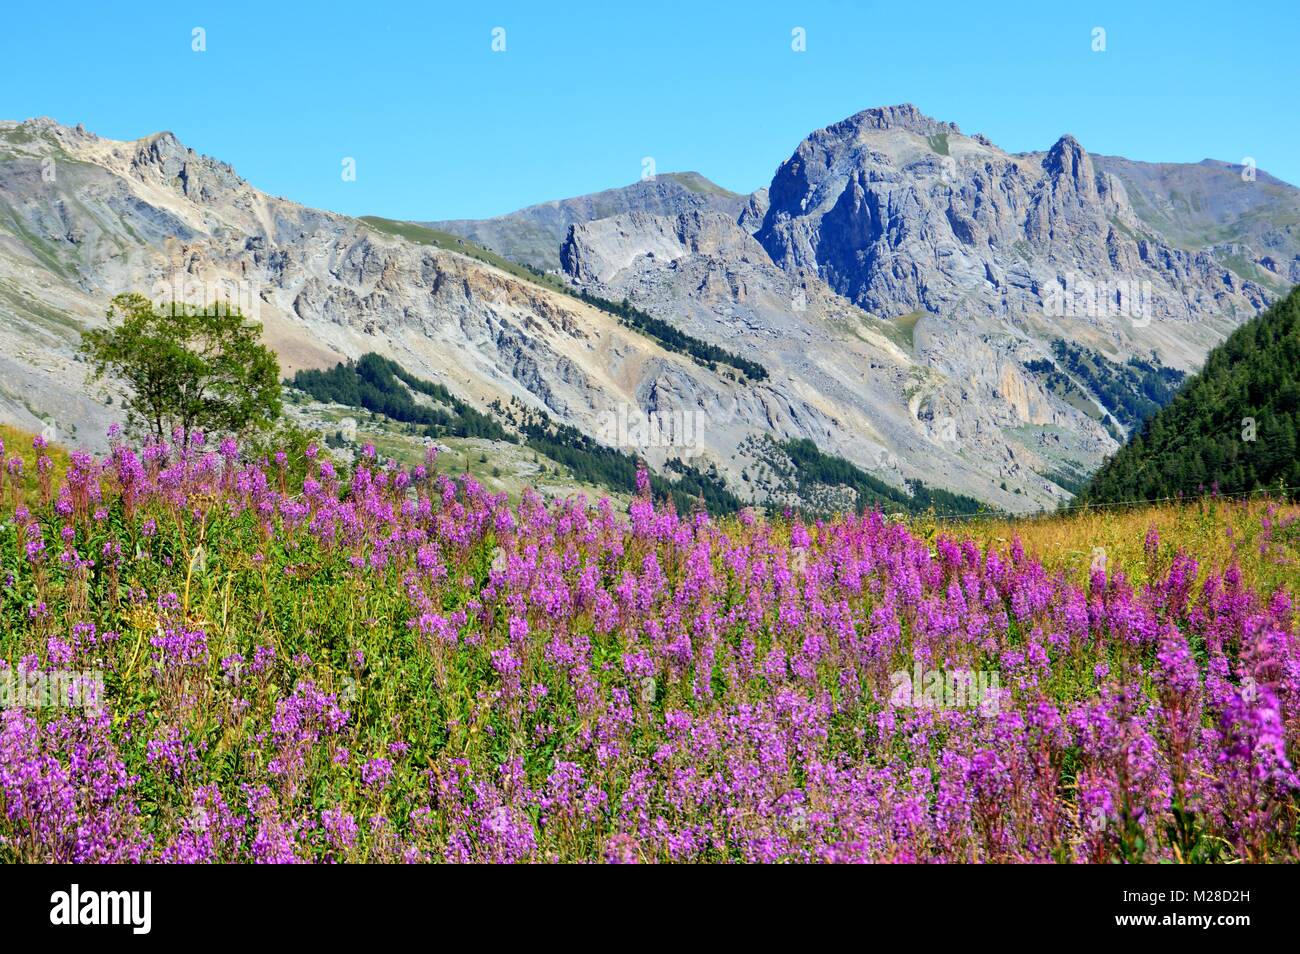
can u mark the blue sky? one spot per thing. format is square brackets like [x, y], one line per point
[441, 126]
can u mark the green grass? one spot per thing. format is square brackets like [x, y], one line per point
[694, 182]
[423, 235]
[906, 325]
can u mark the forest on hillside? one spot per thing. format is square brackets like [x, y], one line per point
[1130, 392]
[1233, 427]
[381, 386]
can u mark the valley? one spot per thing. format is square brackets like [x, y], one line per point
[893, 296]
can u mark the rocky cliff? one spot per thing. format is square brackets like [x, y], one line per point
[902, 283]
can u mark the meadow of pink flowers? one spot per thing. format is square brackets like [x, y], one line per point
[397, 666]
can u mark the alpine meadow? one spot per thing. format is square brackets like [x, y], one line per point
[886, 492]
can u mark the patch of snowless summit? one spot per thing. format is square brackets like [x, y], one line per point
[895, 279]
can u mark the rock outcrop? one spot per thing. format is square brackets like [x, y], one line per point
[899, 280]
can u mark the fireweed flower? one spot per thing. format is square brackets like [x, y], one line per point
[376, 772]
[558, 680]
[340, 828]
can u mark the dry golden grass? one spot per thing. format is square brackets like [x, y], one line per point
[18, 443]
[1260, 536]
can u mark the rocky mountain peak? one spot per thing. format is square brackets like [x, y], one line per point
[904, 116]
[1067, 158]
[43, 129]
[164, 159]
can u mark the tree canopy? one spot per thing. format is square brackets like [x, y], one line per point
[187, 368]
[1234, 426]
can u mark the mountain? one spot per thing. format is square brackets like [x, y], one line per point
[84, 218]
[533, 235]
[922, 304]
[898, 212]
[1234, 426]
[1249, 219]
[977, 266]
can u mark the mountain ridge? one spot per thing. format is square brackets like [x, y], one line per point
[897, 277]
[532, 235]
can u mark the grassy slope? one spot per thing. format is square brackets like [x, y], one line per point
[422, 235]
[1260, 536]
[18, 443]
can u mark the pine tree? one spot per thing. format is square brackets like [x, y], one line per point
[1234, 425]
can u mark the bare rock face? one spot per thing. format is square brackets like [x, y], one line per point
[594, 251]
[954, 264]
[898, 280]
[898, 212]
[533, 235]
[847, 380]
